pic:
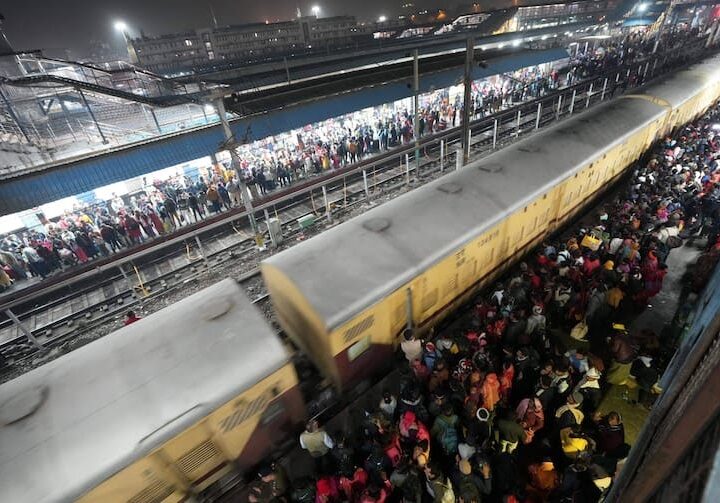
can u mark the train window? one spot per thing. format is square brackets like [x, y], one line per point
[545, 196]
[525, 210]
[358, 348]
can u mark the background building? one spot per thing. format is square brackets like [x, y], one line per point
[208, 47]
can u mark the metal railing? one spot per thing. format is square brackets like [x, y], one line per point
[118, 75]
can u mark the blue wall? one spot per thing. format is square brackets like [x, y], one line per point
[17, 194]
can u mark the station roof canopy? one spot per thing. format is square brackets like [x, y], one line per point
[267, 116]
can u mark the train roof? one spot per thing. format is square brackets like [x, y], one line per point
[352, 266]
[679, 87]
[95, 410]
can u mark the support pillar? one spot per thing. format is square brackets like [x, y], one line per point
[328, 210]
[407, 168]
[416, 107]
[155, 119]
[467, 97]
[495, 131]
[442, 155]
[92, 115]
[235, 164]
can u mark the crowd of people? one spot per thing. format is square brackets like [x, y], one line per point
[82, 235]
[98, 231]
[505, 403]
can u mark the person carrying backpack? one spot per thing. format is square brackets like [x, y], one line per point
[444, 430]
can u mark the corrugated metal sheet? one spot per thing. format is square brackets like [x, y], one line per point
[87, 174]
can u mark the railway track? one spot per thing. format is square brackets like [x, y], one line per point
[228, 252]
[75, 319]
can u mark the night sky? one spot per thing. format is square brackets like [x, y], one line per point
[71, 24]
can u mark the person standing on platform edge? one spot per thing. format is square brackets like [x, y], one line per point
[318, 443]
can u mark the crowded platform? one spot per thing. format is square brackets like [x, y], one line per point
[505, 403]
[162, 205]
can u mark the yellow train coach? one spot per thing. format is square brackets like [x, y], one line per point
[157, 411]
[345, 295]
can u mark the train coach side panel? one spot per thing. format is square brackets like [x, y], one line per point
[256, 423]
[150, 479]
[433, 246]
[439, 289]
[240, 433]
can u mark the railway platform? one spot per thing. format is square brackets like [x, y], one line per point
[646, 298]
[659, 317]
[507, 345]
[93, 298]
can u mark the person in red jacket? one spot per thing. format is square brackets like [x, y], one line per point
[131, 318]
